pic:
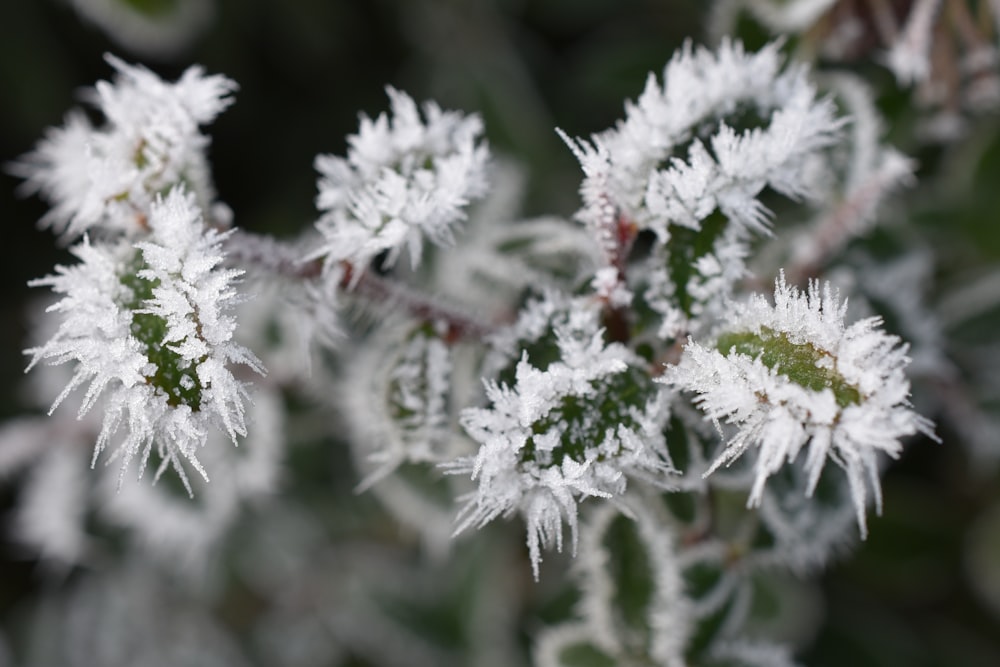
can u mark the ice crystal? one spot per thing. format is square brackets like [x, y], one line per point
[403, 179]
[149, 328]
[689, 163]
[109, 176]
[559, 435]
[674, 158]
[793, 374]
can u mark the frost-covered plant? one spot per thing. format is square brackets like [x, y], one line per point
[154, 28]
[403, 180]
[944, 49]
[793, 374]
[107, 177]
[621, 377]
[570, 430]
[149, 324]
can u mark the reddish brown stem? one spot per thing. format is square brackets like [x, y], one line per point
[283, 259]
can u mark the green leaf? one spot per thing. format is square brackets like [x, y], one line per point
[585, 655]
[630, 571]
[612, 401]
[802, 363]
[685, 247]
[152, 8]
[174, 376]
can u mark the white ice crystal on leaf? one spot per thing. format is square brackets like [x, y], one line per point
[557, 435]
[149, 329]
[151, 28]
[678, 155]
[109, 176]
[404, 179]
[690, 162]
[793, 374]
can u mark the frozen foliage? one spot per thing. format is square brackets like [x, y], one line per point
[109, 176]
[754, 654]
[690, 162]
[793, 374]
[150, 28]
[667, 164]
[63, 507]
[397, 399]
[558, 435]
[611, 378]
[149, 329]
[660, 625]
[403, 179]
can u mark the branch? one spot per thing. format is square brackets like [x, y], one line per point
[284, 259]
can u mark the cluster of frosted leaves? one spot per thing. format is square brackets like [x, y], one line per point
[723, 168]
[633, 608]
[574, 422]
[108, 177]
[794, 376]
[405, 179]
[150, 327]
[691, 159]
[157, 28]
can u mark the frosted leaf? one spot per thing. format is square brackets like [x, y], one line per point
[150, 330]
[397, 400]
[690, 162]
[909, 58]
[151, 28]
[532, 331]
[655, 168]
[661, 629]
[51, 508]
[108, 177]
[404, 179]
[745, 653]
[556, 436]
[783, 16]
[185, 533]
[793, 376]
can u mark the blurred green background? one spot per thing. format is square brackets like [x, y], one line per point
[306, 68]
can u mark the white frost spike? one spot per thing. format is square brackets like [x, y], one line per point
[779, 417]
[546, 484]
[108, 177]
[192, 297]
[637, 169]
[403, 179]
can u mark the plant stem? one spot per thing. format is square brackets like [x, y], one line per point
[283, 259]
